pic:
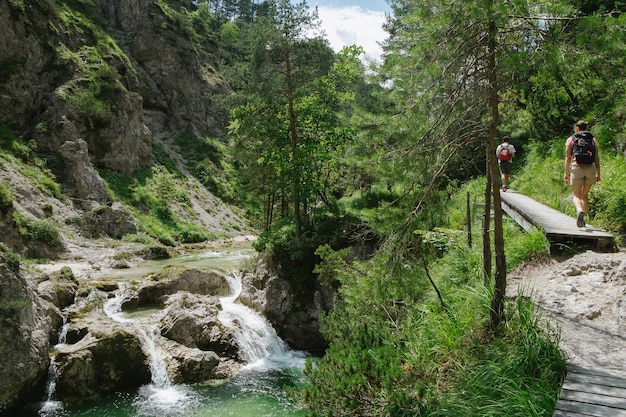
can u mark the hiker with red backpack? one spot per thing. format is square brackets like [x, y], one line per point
[505, 152]
[582, 167]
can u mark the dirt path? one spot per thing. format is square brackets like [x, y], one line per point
[585, 297]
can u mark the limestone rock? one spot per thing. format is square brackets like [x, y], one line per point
[24, 331]
[59, 287]
[174, 279]
[189, 365]
[295, 316]
[108, 221]
[107, 359]
[82, 178]
[192, 320]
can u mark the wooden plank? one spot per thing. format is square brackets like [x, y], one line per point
[588, 409]
[563, 413]
[573, 385]
[614, 373]
[586, 397]
[612, 382]
[592, 392]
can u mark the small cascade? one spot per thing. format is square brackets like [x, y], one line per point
[148, 335]
[51, 407]
[160, 397]
[62, 339]
[258, 342]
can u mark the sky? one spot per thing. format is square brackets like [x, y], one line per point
[353, 22]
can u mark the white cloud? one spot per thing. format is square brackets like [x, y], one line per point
[352, 25]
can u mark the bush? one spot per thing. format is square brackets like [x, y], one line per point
[6, 199]
[190, 233]
[44, 231]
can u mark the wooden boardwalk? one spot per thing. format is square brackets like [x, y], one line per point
[592, 392]
[585, 391]
[557, 226]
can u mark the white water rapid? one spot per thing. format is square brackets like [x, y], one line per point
[258, 342]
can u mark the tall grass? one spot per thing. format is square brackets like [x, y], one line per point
[395, 351]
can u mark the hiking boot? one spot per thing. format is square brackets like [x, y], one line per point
[580, 220]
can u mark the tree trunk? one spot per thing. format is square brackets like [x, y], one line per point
[295, 174]
[497, 302]
[487, 225]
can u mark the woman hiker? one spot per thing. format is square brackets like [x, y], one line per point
[582, 167]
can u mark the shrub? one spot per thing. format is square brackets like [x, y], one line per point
[191, 233]
[6, 199]
[44, 231]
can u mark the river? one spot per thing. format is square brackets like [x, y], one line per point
[261, 389]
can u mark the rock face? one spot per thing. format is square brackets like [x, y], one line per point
[107, 359]
[174, 279]
[295, 316]
[66, 92]
[24, 332]
[192, 320]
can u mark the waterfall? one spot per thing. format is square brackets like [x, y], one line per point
[269, 361]
[258, 342]
[161, 397]
[62, 339]
[50, 407]
[148, 336]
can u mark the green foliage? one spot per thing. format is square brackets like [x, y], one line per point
[95, 59]
[518, 374]
[192, 233]
[523, 247]
[156, 195]
[608, 198]
[11, 257]
[6, 199]
[139, 238]
[10, 143]
[406, 356]
[44, 231]
[164, 158]
[207, 160]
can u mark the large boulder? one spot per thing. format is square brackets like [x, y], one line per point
[189, 365]
[107, 359]
[108, 221]
[24, 336]
[172, 279]
[192, 320]
[59, 287]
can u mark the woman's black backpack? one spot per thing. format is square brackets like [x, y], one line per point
[583, 148]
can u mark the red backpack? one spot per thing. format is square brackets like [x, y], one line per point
[505, 154]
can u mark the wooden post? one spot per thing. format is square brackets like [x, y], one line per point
[468, 214]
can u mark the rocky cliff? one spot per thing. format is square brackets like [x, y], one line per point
[88, 89]
[92, 87]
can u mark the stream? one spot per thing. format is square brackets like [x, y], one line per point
[260, 389]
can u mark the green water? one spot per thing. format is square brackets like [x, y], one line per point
[253, 393]
[263, 391]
